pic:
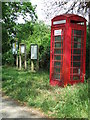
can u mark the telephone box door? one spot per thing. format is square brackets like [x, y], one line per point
[77, 45]
[57, 54]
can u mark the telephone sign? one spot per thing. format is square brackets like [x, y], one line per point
[57, 32]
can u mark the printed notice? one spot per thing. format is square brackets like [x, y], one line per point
[34, 51]
[57, 32]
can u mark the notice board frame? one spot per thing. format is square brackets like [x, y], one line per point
[37, 50]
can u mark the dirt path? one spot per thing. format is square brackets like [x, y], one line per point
[11, 109]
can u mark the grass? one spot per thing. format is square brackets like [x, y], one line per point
[34, 89]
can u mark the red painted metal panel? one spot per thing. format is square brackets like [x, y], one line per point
[68, 50]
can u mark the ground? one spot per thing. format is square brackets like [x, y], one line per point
[34, 90]
[13, 109]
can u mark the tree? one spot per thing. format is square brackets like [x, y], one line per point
[37, 33]
[24, 31]
[40, 36]
[10, 13]
[54, 7]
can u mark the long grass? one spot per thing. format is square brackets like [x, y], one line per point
[34, 89]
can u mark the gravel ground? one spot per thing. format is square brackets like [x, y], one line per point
[12, 109]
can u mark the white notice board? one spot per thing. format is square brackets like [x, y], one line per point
[14, 48]
[22, 49]
[34, 51]
[57, 32]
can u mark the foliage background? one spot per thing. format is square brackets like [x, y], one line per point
[32, 31]
[22, 85]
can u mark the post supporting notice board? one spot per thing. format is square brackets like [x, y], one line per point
[34, 56]
[17, 60]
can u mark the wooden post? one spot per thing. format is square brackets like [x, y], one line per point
[32, 66]
[17, 61]
[20, 62]
[25, 62]
[37, 66]
[37, 60]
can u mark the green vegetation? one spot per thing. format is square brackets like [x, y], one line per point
[37, 33]
[34, 89]
[11, 11]
[32, 31]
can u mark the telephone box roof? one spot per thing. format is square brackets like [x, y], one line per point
[70, 16]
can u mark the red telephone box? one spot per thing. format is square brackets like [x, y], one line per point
[68, 49]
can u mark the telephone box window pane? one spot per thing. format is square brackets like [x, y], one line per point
[59, 22]
[57, 70]
[77, 45]
[76, 51]
[57, 57]
[76, 77]
[57, 64]
[77, 32]
[56, 76]
[76, 71]
[57, 51]
[76, 64]
[77, 39]
[58, 38]
[77, 58]
[58, 45]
